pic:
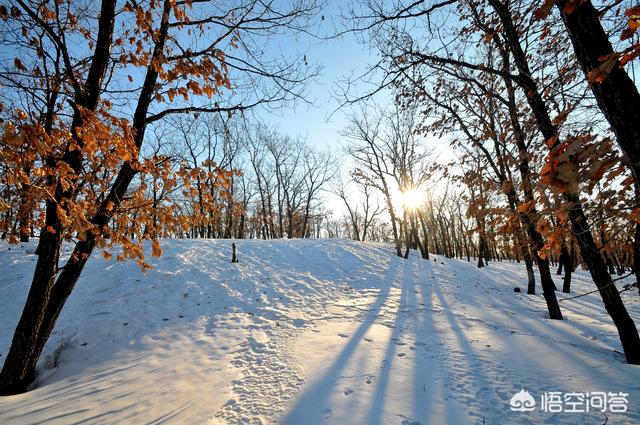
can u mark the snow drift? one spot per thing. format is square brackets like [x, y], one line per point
[309, 332]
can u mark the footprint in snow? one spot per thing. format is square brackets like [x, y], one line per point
[348, 392]
[327, 413]
[402, 354]
[343, 335]
[369, 379]
[368, 339]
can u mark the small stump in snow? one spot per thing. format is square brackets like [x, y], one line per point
[234, 256]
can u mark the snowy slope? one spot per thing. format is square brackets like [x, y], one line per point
[310, 332]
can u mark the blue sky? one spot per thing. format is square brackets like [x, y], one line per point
[338, 57]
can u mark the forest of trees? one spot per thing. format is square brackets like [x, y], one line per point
[125, 122]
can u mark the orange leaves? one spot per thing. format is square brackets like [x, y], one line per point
[526, 206]
[194, 87]
[156, 249]
[106, 254]
[19, 65]
[633, 22]
[20, 114]
[562, 116]
[488, 38]
[578, 158]
[560, 169]
[171, 93]
[62, 215]
[46, 13]
[634, 215]
[76, 167]
[180, 12]
[512, 224]
[608, 63]
[143, 18]
[544, 10]
[562, 212]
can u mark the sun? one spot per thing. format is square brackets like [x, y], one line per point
[411, 199]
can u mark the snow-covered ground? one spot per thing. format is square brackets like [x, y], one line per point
[311, 332]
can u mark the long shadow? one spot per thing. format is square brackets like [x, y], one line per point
[473, 367]
[412, 324]
[422, 396]
[378, 402]
[589, 309]
[317, 395]
[556, 348]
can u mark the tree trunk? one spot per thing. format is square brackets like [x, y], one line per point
[560, 264]
[636, 255]
[414, 231]
[617, 95]
[48, 295]
[568, 269]
[24, 212]
[582, 232]
[425, 233]
[610, 295]
[20, 363]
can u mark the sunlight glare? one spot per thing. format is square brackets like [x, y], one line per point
[412, 198]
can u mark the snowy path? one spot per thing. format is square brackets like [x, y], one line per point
[310, 332]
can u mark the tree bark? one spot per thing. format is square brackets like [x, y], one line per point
[48, 295]
[581, 229]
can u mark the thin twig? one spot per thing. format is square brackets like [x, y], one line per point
[626, 288]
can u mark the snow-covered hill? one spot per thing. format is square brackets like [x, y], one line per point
[312, 332]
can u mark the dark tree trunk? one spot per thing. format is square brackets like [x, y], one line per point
[404, 228]
[546, 128]
[636, 254]
[610, 295]
[20, 362]
[394, 226]
[48, 295]
[560, 264]
[482, 248]
[240, 233]
[531, 285]
[24, 214]
[425, 233]
[234, 254]
[582, 232]
[416, 237]
[568, 269]
[617, 94]
[566, 261]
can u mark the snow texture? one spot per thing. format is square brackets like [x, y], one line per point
[310, 332]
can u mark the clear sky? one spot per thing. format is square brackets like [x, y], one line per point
[319, 120]
[339, 58]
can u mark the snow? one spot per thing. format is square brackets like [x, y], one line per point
[310, 332]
